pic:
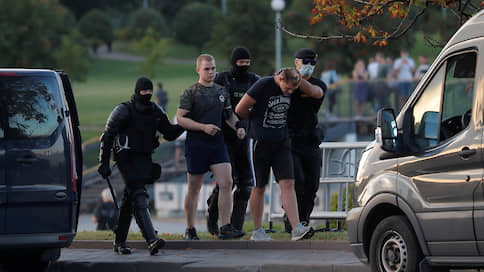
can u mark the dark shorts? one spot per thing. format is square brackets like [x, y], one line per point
[267, 154]
[200, 155]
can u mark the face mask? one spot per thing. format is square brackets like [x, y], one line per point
[306, 70]
[143, 99]
[241, 69]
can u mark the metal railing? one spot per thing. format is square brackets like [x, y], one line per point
[339, 167]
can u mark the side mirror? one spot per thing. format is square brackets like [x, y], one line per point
[386, 131]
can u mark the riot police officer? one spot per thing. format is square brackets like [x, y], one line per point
[302, 122]
[131, 132]
[236, 81]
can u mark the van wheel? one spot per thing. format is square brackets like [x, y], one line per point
[394, 247]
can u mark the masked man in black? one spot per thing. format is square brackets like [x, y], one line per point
[302, 122]
[131, 132]
[236, 81]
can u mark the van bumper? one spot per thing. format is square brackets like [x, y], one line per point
[356, 243]
[37, 240]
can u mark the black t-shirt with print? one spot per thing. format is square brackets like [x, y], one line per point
[302, 118]
[205, 105]
[268, 118]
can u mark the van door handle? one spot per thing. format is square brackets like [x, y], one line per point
[466, 152]
[60, 195]
[27, 160]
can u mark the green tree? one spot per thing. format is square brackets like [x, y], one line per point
[97, 28]
[81, 7]
[72, 56]
[31, 31]
[153, 49]
[194, 23]
[249, 23]
[145, 18]
[361, 18]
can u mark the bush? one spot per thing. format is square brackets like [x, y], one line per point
[97, 28]
[194, 23]
[146, 18]
[152, 49]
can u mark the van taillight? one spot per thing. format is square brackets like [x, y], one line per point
[62, 238]
[8, 74]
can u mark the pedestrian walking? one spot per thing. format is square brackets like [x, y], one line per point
[131, 132]
[266, 105]
[161, 96]
[306, 135]
[204, 106]
[236, 81]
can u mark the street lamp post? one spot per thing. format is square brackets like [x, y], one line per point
[278, 6]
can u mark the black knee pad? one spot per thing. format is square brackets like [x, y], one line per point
[243, 193]
[140, 199]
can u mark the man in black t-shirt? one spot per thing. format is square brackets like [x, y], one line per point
[236, 81]
[203, 108]
[266, 105]
[302, 122]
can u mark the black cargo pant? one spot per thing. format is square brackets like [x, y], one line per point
[135, 171]
[307, 171]
[242, 178]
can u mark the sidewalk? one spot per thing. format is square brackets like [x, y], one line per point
[212, 256]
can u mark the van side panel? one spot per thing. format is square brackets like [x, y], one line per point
[38, 186]
[3, 188]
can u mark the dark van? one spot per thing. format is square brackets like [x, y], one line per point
[40, 165]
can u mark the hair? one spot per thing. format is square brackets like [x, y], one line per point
[106, 195]
[290, 76]
[205, 57]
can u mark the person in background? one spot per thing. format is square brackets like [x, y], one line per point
[422, 68]
[360, 77]
[161, 96]
[403, 69]
[106, 214]
[330, 78]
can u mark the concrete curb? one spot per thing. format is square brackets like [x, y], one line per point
[217, 244]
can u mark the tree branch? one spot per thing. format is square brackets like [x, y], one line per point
[319, 38]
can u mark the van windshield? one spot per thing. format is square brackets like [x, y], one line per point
[28, 106]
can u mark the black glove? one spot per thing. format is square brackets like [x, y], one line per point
[104, 170]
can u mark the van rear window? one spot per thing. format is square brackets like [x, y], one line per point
[28, 106]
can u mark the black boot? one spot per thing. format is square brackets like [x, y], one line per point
[121, 248]
[122, 227]
[212, 217]
[146, 226]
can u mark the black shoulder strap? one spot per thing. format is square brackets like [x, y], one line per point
[227, 82]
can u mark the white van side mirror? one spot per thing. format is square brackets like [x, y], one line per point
[386, 131]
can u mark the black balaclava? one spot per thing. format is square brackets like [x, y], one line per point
[143, 83]
[240, 53]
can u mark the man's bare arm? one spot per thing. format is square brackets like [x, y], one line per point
[189, 124]
[243, 108]
[311, 90]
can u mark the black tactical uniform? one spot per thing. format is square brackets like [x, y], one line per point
[236, 81]
[302, 122]
[131, 130]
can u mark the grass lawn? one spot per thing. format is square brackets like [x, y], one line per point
[111, 82]
[279, 236]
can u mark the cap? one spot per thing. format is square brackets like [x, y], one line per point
[305, 53]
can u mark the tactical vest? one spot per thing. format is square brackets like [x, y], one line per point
[140, 135]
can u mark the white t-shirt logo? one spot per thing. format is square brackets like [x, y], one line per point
[221, 98]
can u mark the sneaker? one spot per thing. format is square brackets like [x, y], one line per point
[301, 232]
[212, 226]
[191, 234]
[121, 248]
[229, 232]
[260, 235]
[155, 245]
